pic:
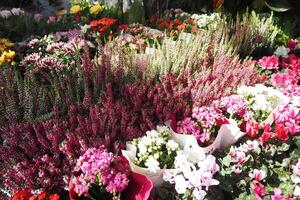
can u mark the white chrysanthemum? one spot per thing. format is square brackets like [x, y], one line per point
[152, 164]
[282, 51]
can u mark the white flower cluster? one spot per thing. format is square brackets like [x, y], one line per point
[156, 150]
[282, 51]
[262, 100]
[193, 179]
[13, 12]
[203, 21]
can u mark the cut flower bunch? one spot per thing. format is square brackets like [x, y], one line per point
[175, 108]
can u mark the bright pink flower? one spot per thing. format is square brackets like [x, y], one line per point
[258, 175]
[258, 189]
[269, 62]
[277, 195]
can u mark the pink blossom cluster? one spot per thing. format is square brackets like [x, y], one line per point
[289, 116]
[207, 119]
[269, 62]
[102, 168]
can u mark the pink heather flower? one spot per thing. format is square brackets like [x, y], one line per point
[269, 62]
[258, 175]
[292, 44]
[277, 195]
[38, 16]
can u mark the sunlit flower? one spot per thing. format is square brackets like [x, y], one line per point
[75, 9]
[96, 9]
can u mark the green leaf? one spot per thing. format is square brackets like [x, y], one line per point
[226, 161]
[278, 5]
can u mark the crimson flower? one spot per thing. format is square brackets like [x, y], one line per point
[281, 132]
[21, 195]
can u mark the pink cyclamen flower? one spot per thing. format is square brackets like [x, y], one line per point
[277, 195]
[38, 16]
[51, 20]
[236, 169]
[258, 189]
[258, 175]
[269, 62]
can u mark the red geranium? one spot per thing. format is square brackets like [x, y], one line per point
[54, 197]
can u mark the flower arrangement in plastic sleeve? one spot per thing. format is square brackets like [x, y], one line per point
[193, 180]
[262, 100]
[258, 170]
[156, 153]
[156, 150]
[99, 172]
[207, 120]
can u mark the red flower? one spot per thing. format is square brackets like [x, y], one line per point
[42, 196]
[122, 27]
[54, 197]
[267, 134]
[181, 27]
[102, 29]
[292, 44]
[34, 197]
[177, 21]
[252, 128]
[107, 21]
[21, 195]
[94, 23]
[281, 132]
